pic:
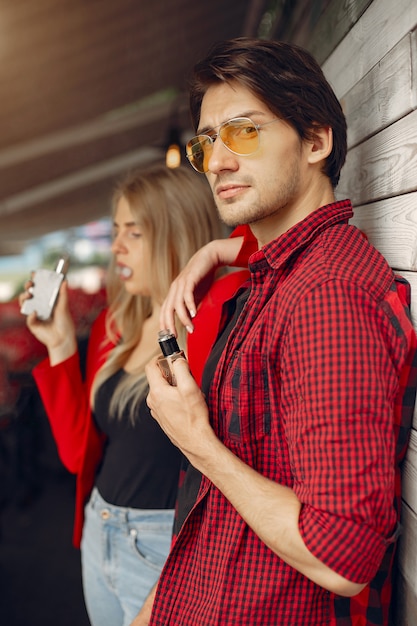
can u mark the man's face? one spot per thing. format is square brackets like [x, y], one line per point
[261, 188]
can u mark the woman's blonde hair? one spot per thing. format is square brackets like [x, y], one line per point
[176, 213]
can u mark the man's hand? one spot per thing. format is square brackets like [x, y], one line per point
[181, 411]
[270, 509]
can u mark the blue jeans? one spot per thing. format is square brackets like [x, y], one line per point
[122, 554]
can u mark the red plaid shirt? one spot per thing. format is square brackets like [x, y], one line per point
[315, 390]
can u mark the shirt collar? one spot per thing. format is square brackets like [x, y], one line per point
[277, 251]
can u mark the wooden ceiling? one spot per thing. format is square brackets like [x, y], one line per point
[89, 89]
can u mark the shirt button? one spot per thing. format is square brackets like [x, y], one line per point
[105, 514]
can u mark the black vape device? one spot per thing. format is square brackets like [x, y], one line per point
[170, 351]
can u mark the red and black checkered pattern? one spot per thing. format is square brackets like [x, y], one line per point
[314, 390]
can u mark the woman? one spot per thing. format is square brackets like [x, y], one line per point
[126, 467]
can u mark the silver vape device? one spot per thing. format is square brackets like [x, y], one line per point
[45, 289]
[170, 351]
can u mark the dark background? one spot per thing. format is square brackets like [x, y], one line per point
[40, 571]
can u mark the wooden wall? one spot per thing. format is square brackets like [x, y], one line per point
[368, 51]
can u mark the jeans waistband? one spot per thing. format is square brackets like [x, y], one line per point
[121, 514]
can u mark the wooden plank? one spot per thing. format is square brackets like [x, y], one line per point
[391, 226]
[383, 166]
[290, 20]
[409, 480]
[380, 28]
[405, 603]
[408, 549]
[414, 68]
[318, 26]
[336, 21]
[384, 95]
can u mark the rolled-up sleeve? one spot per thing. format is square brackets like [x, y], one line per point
[339, 383]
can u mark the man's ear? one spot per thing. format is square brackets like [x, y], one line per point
[321, 144]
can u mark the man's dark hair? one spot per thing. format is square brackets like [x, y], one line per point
[283, 76]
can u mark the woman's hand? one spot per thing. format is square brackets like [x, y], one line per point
[193, 282]
[57, 333]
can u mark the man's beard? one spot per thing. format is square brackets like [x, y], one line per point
[259, 210]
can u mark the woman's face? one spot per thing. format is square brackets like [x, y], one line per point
[131, 251]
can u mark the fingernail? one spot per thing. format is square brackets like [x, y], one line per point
[189, 329]
[192, 313]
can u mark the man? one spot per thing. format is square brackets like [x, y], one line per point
[291, 500]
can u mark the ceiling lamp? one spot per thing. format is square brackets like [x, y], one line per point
[173, 150]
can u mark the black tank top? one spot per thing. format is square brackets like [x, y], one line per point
[140, 466]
